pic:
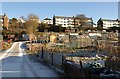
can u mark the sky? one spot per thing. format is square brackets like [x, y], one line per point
[96, 10]
[60, 0]
[119, 10]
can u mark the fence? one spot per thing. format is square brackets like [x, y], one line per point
[58, 61]
[71, 69]
[55, 59]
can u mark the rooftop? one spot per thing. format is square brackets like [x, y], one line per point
[109, 20]
[47, 19]
[62, 17]
[85, 18]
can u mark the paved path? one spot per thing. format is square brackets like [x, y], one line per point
[16, 63]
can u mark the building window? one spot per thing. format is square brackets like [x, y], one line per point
[65, 22]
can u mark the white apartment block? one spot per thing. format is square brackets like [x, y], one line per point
[64, 21]
[72, 21]
[106, 23]
[47, 21]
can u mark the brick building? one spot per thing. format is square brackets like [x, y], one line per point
[4, 21]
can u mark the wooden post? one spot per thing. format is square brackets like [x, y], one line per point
[42, 52]
[62, 61]
[81, 68]
[52, 58]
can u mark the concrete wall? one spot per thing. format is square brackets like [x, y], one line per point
[51, 58]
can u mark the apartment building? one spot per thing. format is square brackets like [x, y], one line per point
[47, 21]
[4, 21]
[107, 23]
[63, 21]
[73, 21]
[83, 22]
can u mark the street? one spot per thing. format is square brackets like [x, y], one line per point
[15, 62]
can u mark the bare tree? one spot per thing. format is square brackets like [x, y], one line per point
[81, 20]
[13, 23]
[81, 16]
[33, 17]
[32, 23]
